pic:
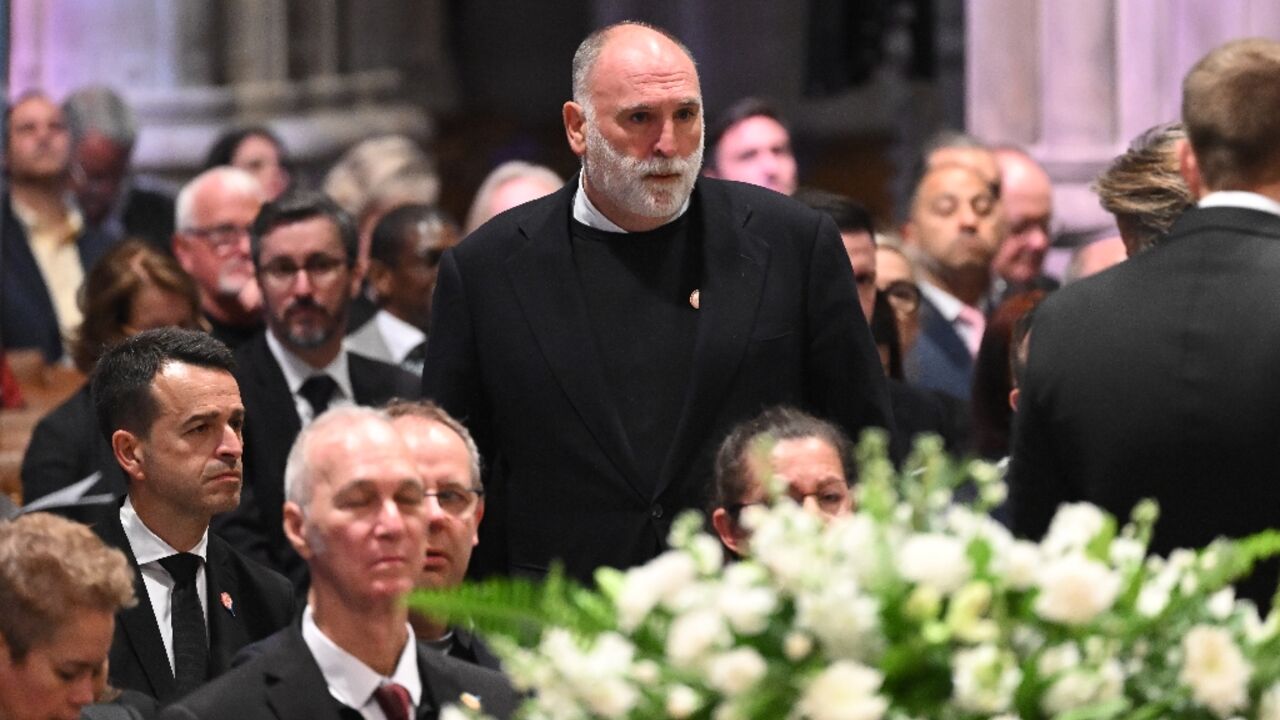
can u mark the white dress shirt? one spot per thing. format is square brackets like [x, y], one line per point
[949, 307]
[1240, 199]
[149, 550]
[585, 212]
[350, 681]
[400, 336]
[297, 371]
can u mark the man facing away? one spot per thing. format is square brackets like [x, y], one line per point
[1156, 379]
[355, 513]
[171, 409]
[600, 341]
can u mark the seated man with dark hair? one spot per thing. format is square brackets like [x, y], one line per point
[357, 512]
[812, 456]
[171, 410]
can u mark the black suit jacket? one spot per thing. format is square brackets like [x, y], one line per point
[1157, 379]
[27, 317]
[285, 683]
[939, 360]
[262, 603]
[270, 427]
[512, 354]
[66, 447]
[149, 215]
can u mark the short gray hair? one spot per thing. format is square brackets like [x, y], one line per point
[428, 410]
[97, 108]
[299, 472]
[588, 52]
[233, 177]
[501, 175]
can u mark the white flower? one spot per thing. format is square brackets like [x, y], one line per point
[983, 679]
[1075, 589]
[736, 671]
[857, 539]
[797, 646]
[682, 701]
[646, 672]
[745, 602]
[935, 559]
[452, 712]
[1215, 670]
[1126, 551]
[1057, 659]
[1222, 603]
[1073, 527]
[1153, 599]
[1084, 686]
[844, 621]
[844, 691]
[1020, 562]
[694, 634]
[646, 586]
[707, 553]
[1269, 703]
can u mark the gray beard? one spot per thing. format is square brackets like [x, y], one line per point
[622, 179]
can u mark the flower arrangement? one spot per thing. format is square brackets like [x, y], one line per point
[914, 606]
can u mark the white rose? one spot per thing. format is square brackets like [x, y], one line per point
[845, 622]
[1057, 659]
[609, 698]
[693, 634]
[1084, 686]
[1075, 589]
[1073, 527]
[736, 671]
[1222, 603]
[657, 581]
[797, 646]
[1215, 670]
[844, 691]
[983, 679]
[1019, 564]
[1153, 599]
[747, 609]
[937, 560]
[682, 701]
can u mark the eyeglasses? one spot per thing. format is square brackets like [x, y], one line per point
[904, 296]
[831, 502]
[456, 501]
[222, 239]
[320, 269]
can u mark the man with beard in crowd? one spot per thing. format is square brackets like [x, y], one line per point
[304, 252]
[601, 341]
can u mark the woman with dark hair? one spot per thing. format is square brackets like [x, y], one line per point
[256, 150]
[993, 377]
[132, 288]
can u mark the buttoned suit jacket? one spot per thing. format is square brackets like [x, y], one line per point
[512, 354]
[245, 603]
[27, 317]
[940, 359]
[271, 424]
[1157, 379]
[285, 683]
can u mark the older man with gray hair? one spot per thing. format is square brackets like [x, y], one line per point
[113, 201]
[357, 513]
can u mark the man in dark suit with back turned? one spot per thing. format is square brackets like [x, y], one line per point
[1157, 378]
[304, 253]
[601, 341]
[170, 407]
[357, 511]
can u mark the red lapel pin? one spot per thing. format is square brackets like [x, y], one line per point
[226, 603]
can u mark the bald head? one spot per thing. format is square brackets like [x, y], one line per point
[630, 32]
[1026, 194]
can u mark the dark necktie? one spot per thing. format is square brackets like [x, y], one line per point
[317, 391]
[190, 640]
[416, 358]
[394, 701]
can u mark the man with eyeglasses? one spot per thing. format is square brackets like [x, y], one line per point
[810, 458]
[213, 214]
[449, 463]
[1026, 195]
[303, 248]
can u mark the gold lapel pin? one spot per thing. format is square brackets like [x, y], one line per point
[695, 298]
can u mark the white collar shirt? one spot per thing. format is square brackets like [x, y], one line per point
[585, 212]
[350, 681]
[297, 371]
[1240, 199]
[148, 549]
[949, 307]
[400, 336]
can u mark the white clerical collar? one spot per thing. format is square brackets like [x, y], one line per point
[1240, 199]
[400, 336]
[146, 545]
[585, 212]
[350, 681]
[297, 371]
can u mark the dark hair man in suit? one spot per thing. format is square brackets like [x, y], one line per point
[303, 248]
[750, 143]
[170, 407]
[356, 512]
[1155, 379]
[600, 341]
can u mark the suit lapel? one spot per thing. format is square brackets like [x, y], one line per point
[735, 261]
[295, 687]
[936, 327]
[545, 281]
[137, 625]
[273, 390]
[226, 629]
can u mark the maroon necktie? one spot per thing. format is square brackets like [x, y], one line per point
[394, 701]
